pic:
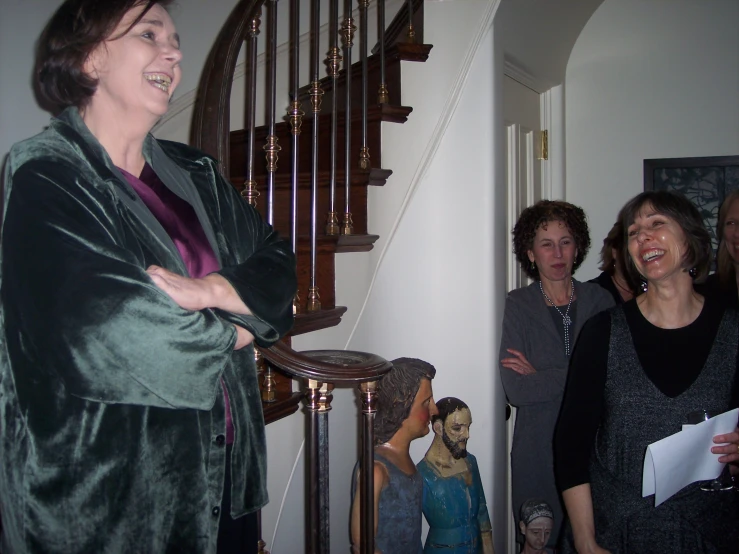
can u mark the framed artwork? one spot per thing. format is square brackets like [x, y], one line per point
[704, 181]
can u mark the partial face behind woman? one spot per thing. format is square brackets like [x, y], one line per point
[730, 231]
[553, 251]
[138, 67]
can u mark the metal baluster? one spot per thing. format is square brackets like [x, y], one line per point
[296, 121]
[383, 96]
[250, 191]
[347, 35]
[411, 33]
[364, 154]
[333, 63]
[368, 392]
[271, 148]
[316, 92]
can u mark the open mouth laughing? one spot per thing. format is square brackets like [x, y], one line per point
[162, 81]
[652, 254]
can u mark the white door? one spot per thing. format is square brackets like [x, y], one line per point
[521, 108]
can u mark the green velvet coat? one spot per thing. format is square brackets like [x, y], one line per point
[111, 404]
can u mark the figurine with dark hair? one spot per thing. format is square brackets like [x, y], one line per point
[453, 497]
[535, 523]
[541, 324]
[405, 405]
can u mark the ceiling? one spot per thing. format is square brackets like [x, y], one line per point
[538, 36]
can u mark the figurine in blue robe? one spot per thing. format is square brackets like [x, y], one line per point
[453, 498]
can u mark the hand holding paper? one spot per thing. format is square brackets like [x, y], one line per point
[685, 457]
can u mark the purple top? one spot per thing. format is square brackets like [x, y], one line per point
[181, 222]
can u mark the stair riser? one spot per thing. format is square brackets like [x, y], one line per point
[283, 201]
[239, 143]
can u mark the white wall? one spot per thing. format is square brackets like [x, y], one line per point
[657, 79]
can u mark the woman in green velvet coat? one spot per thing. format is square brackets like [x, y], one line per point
[134, 282]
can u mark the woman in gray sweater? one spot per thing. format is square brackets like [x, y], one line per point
[540, 326]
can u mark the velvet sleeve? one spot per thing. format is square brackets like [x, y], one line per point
[263, 269]
[523, 390]
[582, 406]
[80, 305]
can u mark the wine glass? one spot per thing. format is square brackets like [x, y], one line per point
[723, 482]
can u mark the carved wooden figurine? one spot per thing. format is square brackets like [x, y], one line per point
[405, 405]
[453, 498]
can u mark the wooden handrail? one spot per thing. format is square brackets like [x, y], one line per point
[327, 366]
[211, 124]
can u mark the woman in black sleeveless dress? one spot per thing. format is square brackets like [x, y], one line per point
[636, 373]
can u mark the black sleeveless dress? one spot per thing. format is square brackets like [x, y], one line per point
[637, 413]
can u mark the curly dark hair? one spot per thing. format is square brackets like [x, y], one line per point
[75, 30]
[396, 394]
[539, 215]
[698, 253]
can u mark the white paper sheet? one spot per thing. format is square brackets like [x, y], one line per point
[685, 457]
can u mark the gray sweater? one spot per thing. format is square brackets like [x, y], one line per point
[528, 327]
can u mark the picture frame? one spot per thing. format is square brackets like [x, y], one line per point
[705, 181]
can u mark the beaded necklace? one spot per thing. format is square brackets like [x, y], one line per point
[566, 320]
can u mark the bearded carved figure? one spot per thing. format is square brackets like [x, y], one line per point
[453, 498]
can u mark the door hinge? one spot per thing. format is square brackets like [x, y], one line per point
[543, 145]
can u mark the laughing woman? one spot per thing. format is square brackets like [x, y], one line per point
[540, 326]
[134, 281]
[636, 373]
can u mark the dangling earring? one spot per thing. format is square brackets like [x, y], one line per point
[693, 271]
[643, 285]
[533, 266]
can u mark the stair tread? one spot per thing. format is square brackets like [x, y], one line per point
[400, 51]
[390, 113]
[306, 322]
[285, 404]
[374, 177]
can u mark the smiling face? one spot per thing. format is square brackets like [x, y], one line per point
[731, 232]
[656, 245]
[422, 409]
[137, 69]
[553, 251]
[536, 533]
[456, 432]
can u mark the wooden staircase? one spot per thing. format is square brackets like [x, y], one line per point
[315, 369]
[328, 246]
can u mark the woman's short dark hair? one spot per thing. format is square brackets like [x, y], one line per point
[724, 262]
[613, 241]
[397, 392]
[686, 215]
[75, 30]
[539, 215]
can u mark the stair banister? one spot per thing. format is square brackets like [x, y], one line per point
[317, 370]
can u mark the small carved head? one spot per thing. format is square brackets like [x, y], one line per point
[452, 424]
[398, 390]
